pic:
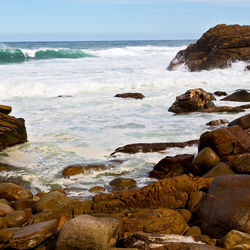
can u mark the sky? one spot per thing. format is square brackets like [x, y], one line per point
[70, 20]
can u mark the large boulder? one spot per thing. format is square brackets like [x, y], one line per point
[164, 221]
[89, 232]
[227, 206]
[217, 48]
[238, 96]
[172, 166]
[243, 121]
[12, 130]
[12, 192]
[121, 183]
[192, 101]
[219, 169]
[236, 238]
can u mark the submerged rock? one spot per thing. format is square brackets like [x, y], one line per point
[217, 48]
[217, 122]
[152, 147]
[192, 101]
[227, 206]
[131, 95]
[238, 96]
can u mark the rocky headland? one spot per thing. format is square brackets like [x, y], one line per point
[219, 47]
[199, 201]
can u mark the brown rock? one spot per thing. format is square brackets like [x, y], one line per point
[6, 233]
[234, 238]
[205, 160]
[12, 192]
[195, 201]
[243, 165]
[194, 231]
[226, 141]
[122, 183]
[83, 169]
[31, 236]
[5, 209]
[217, 48]
[152, 147]
[172, 166]
[22, 204]
[220, 93]
[192, 101]
[186, 214]
[238, 96]
[6, 167]
[12, 131]
[16, 218]
[164, 221]
[217, 122]
[247, 67]
[5, 109]
[97, 189]
[219, 169]
[243, 121]
[131, 95]
[227, 206]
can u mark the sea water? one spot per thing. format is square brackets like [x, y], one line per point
[65, 92]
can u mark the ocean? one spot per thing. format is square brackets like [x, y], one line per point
[65, 92]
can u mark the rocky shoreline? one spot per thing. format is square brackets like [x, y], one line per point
[200, 201]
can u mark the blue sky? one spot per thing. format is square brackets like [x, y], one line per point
[29, 20]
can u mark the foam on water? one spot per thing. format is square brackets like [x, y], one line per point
[88, 123]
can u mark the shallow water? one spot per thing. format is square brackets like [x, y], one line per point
[87, 123]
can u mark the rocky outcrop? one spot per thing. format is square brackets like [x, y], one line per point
[152, 147]
[238, 96]
[12, 130]
[226, 206]
[243, 121]
[217, 48]
[192, 101]
[131, 95]
[88, 232]
[172, 166]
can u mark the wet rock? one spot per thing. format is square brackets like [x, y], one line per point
[205, 160]
[5, 109]
[64, 96]
[5, 209]
[226, 109]
[192, 101]
[144, 241]
[195, 201]
[226, 141]
[186, 214]
[247, 67]
[217, 48]
[22, 204]
[243, 164]
[31, 236]
[122, 183]
[168, 193]
[164, 221]
[172, 166]
[238, 96]
[12, 131]
[88, 232]
[12, 192]
[131, 95]
[152, 147]
[16, 218]
[194, 231]
[84, 168]
[219, 169]
[97, 189]
[243, 121]
[220, 93]
[6, 167]
[6, 233]
[234, 238]
[227, 206]
[217, 122]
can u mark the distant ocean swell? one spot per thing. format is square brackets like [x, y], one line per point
[11, 55]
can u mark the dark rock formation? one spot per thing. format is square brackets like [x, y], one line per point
[247, 67]
[172, 166]
[152, 147]
[131, 95]
[220, 93]
[217, 122]
[5, 109]
[243, 121]
[238, 96]
[192, 101]
[226, 206]
[217, 48]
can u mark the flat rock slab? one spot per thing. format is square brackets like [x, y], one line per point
[31, 236]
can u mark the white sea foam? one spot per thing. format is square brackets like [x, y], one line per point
[90, 124]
